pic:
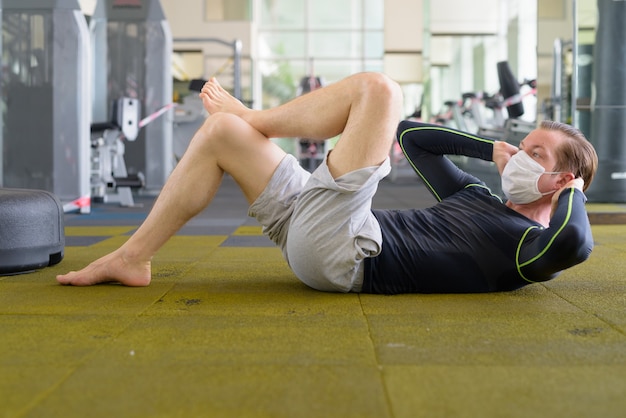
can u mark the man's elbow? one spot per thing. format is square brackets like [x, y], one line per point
[583, 249]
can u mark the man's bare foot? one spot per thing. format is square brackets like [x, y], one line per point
[216, 99]
[110, 268]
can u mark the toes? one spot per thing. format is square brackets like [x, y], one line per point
[63, 278]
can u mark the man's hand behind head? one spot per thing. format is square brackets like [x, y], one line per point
[502, 153]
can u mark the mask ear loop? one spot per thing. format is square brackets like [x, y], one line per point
[551, 173]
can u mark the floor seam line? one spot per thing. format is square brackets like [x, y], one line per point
[379, 366]
[611, 325]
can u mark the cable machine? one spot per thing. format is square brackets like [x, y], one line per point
[45, 98]
[132, 49]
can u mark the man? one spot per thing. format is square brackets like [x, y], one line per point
[470, 241]
[323, 222]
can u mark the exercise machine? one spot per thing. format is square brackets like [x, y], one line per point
[470, 110]
[132, 52]
[310, 153]
[46, 98]
[110, 181]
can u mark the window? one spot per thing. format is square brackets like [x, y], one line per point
[327, 38]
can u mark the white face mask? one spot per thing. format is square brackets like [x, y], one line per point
[520, 179]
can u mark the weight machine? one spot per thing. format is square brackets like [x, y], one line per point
[45, 99]
[110, 182]
[469, 111]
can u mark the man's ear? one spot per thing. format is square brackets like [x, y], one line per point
[565, 178]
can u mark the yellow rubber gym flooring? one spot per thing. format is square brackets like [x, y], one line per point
[226, 330]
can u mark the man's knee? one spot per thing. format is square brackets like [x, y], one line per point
[221, 129]
[221, 124]
[379, 86]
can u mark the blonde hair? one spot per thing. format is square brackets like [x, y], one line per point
[576, 154]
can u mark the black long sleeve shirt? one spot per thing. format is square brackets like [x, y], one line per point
[470, 241]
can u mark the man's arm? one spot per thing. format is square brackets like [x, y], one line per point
[566, 242]
[502, 153]
[576, 183]
[425, 147]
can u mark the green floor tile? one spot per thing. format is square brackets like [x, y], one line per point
[517, 392]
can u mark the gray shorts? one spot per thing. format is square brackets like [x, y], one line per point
[324, 226]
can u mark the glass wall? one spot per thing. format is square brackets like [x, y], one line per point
[580, 106]
[325, 39]
[459, 66]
